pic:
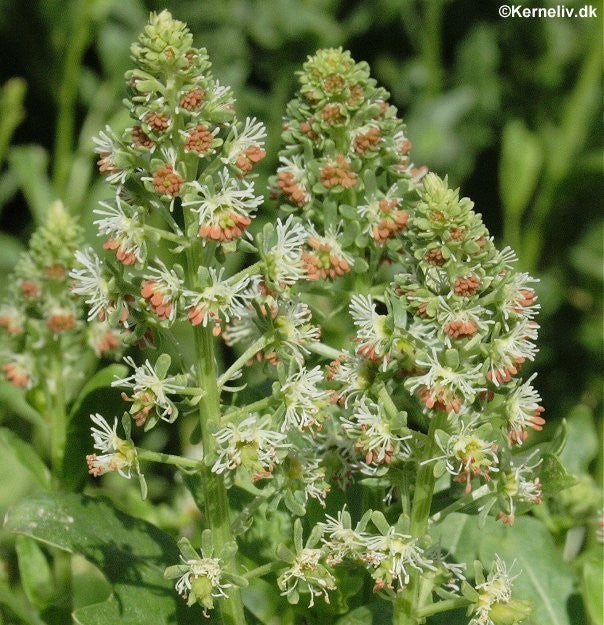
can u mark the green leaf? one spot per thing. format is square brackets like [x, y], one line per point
[101, 379]
[36, 577]
[593, 582]
[521, 160]
[97, 395]
[18, 605]
[582, 441]
[132, 554]
[24, 453]
[29, 163]
[10, 250]
[459, 535]
[266, 604]
[543, 577]
[360, 616]
[553, 476]
[12, 112]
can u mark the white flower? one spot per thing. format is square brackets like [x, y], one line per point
[248, 443]
[241, 328]
[496, 589]
[221, 298]
[106, 142]
[520, 484]
[506, 257]
[162, 287]
[292, 178]
[221, 97]
[371, 330]
[203, 568]
[229, 196]
[117, 454]
[253, 133]
[463, 383]
[304, 402]
[350, 372]
[127, 231]
[467, 455]
[460, 318]
[343, 540]
[105, 437]
[107, 145]
[393, 555]
[523, 410]
[512, 349]
[326, 259]
[90, 283]
[284, 260]
[145, 381]
[295, 329]
[309, 574]
[519, 297]
[371, 429]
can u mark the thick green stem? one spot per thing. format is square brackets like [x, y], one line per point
[216, 501]
[460, 503]
[215, 494]
[407, 604]
[255, 406]
[58, 417]
[324, 350]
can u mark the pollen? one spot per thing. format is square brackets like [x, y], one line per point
[367, 141]
[158, 122]
[249, 157]
[192, 100]
[338, 173]
[295, 193]
[467, 286]
[435, 257]
[199, 140]
[141, 139]
[61, 322]
[166, 181]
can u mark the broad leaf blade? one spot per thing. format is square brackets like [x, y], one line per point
[131, 553]
[25, 454]
[97, 395]
[543, 577]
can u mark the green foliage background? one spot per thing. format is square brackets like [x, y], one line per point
[510, 109]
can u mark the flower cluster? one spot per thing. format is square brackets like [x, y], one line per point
[42, 315]
[186, 153]
[492, 600]
[117, 454]
[340, 135]
[202, 579]
[424, 384]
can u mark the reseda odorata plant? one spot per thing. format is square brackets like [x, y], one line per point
[421, 390]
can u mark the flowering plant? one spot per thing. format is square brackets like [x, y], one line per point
[358, 381]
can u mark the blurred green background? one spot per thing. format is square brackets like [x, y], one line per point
[508, 108]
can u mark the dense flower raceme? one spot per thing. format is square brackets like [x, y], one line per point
[42, 318]
[345, 166]
[439, 321]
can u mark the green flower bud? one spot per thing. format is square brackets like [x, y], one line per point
[510, 613]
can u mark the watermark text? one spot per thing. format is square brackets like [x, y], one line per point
[560, 10]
